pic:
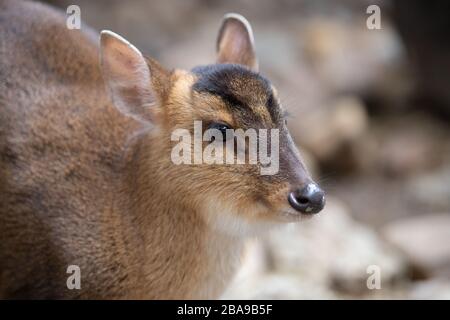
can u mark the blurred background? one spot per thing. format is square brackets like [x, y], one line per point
[370, 110]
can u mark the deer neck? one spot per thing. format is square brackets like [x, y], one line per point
[182, 257]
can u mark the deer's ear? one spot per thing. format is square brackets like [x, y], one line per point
[235, 43]
[134, 82]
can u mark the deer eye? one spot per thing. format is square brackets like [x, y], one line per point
[222, 127]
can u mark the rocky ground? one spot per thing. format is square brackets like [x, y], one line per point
[373, 138]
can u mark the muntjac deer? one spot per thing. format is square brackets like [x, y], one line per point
[86, 175]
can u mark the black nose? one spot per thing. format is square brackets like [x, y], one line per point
[309, 199]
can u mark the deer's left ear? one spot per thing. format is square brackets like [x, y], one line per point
[235, 43]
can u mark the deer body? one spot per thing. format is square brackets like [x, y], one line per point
[83, 184]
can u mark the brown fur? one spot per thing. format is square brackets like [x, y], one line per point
[83, 184]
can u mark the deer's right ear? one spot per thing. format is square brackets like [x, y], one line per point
[129, 77]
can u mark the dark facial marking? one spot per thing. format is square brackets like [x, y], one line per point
[240, 88]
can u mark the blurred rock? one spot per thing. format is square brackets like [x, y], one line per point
[375, 199]
[257, 280]
[406, 151]
[425, 241]
[348, 56]
[192, 51]
[403, 146]
[152, 26]
[436, 289]
[277, 286]
[431, 190]
[325, 257]
[277, 53]
[323, 131]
